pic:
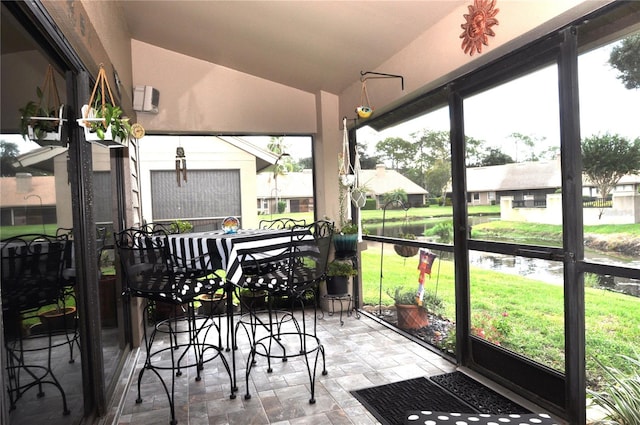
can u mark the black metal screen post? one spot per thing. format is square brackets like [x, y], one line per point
[384, 214]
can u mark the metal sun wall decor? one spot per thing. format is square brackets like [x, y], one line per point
[477, 26]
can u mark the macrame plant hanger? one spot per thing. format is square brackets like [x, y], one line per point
[345, 172]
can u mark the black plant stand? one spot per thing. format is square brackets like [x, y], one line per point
[352, 302]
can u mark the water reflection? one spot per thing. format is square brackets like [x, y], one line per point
[539, 269]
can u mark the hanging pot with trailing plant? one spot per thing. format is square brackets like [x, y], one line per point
[102, 119]
[43, 121]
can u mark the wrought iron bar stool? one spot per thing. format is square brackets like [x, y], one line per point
[155, 274]
[299, 268]
[31, 276]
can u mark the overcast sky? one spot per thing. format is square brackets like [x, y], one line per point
[529, 106]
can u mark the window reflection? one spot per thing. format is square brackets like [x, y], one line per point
[608, 100]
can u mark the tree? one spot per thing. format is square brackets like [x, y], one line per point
[438, 177]
[495, 157]
[8, 154]
[625, 57]
[606, 158]
[367, 162]
[430, 147]
[397, 150]
[304, 164]
[395, 195]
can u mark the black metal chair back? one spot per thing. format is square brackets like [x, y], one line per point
[309, 256]
[32, 271]
[281, 223]
[152, 271]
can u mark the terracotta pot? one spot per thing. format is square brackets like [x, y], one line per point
[55, 320]
[213, 305]
[411, 316]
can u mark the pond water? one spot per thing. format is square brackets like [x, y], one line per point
[544, 270]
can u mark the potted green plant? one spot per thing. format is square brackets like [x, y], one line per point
[339, 272]
[58, 318]
[43, 121]
[104, 123]
[411, 313]
[213, 304]
[103, 120]
[345, 240]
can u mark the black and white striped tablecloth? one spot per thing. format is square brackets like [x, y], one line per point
[225, 248]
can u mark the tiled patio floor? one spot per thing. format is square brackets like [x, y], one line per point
[359, 354]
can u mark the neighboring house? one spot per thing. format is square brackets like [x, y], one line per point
[296, 189]
[28, 199]
[527, 182]
[220, 179]
[380, 181]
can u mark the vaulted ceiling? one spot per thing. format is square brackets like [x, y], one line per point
[309, 45]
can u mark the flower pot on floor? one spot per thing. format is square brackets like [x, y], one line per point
[213, 305]
[411, 316]
[338, 285]
[58, 319]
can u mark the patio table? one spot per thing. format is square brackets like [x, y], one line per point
[225, 251]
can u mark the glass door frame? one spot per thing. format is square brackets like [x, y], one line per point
[96, 391]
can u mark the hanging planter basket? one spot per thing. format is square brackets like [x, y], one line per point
[44, 122]
[101, 119]
[358, 197]
[364, 111]
[48, 131]
[406, 251]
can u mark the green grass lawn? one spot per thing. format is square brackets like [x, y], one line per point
[530, 312]
[7, 232]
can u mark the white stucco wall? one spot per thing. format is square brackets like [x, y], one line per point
[202, 153]
[436, 56]
[625, 210]
[199, 96]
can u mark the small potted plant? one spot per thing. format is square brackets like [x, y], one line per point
[58, 318]
[411, 313]
[339, 272]
[345, 240]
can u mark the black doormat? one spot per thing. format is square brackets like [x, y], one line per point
[473, 392]
[389, 403]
